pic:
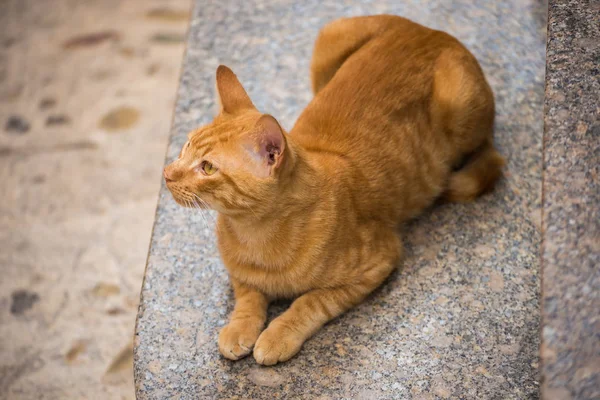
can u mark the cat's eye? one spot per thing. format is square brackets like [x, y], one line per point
[207, 168]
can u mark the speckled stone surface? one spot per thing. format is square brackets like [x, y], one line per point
[460, 317]
[571, 204]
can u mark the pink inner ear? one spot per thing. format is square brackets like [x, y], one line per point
[271, 146]
[266, 144]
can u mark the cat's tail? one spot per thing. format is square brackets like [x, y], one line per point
[477, 176]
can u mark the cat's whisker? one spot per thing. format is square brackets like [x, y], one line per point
[191, 205]
[206, 222]
[202, 202]
[211, 217]
[200, 208]
[188, 206]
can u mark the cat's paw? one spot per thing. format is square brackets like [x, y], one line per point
[237, 339]
[276, 344]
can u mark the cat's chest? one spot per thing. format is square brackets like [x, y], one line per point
[270, 276]
[269, 266]
[262, 247]
[255, 251]
[275, 284]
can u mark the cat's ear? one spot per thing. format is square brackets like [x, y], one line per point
[266, 146]
[232, 96]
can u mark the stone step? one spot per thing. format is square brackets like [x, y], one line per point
[570, 350]
[459, 319]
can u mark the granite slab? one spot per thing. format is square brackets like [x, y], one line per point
[571, 203]
[460, 316]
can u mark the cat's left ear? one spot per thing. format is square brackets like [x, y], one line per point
[266, 146]
[232, 95]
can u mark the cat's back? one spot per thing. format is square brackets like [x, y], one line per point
[385, 79]
[395, 108]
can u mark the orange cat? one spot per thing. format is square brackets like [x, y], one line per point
[313, 214]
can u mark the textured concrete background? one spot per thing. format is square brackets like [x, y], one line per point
[86, 97]
[571, 243]
[460, 319]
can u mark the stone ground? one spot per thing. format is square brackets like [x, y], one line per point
[86, 97]
[460, 317]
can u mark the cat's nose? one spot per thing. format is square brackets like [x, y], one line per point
[167, 175]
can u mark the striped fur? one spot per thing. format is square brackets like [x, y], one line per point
[313, 214]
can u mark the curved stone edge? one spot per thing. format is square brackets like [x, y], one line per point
[570, 350]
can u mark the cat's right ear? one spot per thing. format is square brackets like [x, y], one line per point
[232, 96]
[266, 146]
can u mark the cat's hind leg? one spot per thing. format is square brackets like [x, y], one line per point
[337, 41]
[477, 176]
[464, 109]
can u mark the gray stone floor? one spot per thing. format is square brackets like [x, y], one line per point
[570, 350]
[86, 97]
[460, 318]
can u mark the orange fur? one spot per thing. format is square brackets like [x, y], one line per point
[313, 214]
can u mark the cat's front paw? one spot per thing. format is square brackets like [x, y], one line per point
[276, 344]
[237, 339]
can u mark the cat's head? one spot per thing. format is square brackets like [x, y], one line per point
[234, 164]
